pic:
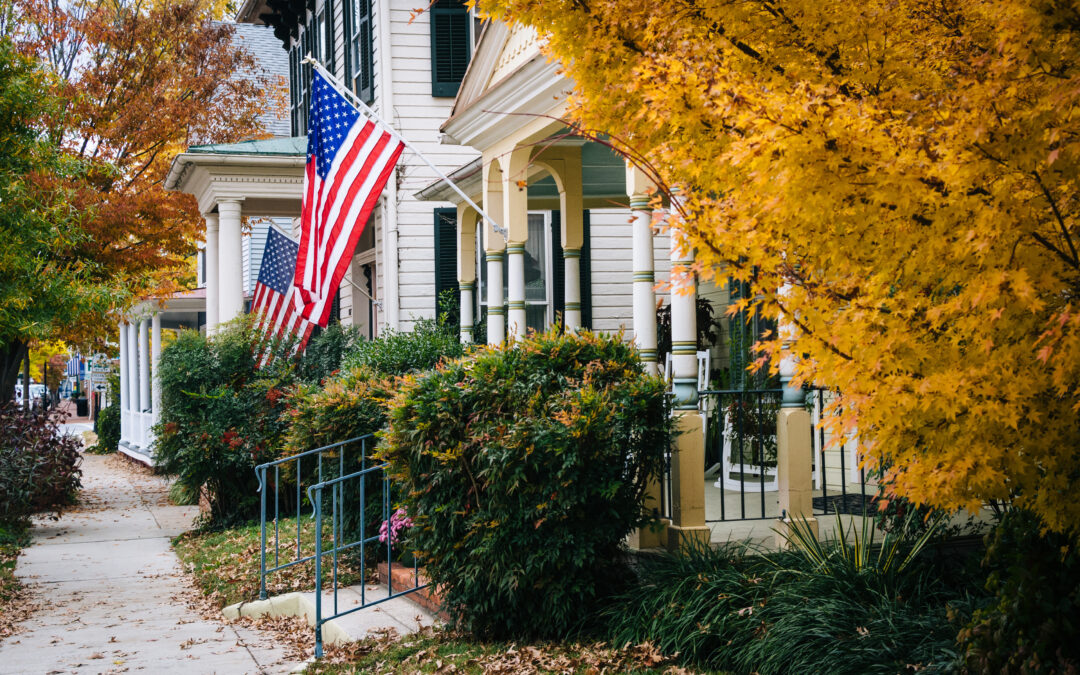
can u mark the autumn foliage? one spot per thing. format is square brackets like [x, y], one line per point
[908, 173]
[128, 85]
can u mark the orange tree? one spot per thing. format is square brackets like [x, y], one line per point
[136, 82]
[909, 172]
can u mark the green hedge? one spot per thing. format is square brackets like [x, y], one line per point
[107, 428]
[222, 414]
[395, 353]
[525, 469]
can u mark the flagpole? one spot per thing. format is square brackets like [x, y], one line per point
[345, 91]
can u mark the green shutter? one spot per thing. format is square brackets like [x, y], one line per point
[586, 274]
[446, 244]
[558, 269]
[450, 49]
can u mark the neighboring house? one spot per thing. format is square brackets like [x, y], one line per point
[409, 72]
[141, 329]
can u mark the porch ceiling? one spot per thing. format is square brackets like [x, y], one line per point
[603, 178]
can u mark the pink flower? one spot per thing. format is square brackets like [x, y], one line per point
[392, 528]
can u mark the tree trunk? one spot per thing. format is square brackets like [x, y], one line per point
[12, 356]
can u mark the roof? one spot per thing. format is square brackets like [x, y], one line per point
[468, 177]
[289, 147]
[272, 62]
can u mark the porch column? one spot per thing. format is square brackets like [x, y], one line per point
[144, 366]
[496, 320]
[123, 365]
[230, 262]
[212, 289]
[494, 248]
[466, 266]
[516, 220]
[794, 445]
[688, 460]
[644, 279]
[563, 162]
[132, 392]
[515, 262]
[155, 359]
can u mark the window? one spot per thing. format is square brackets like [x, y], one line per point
[450, 46]
[300, 81]
[324, 25]
[360, 52]
[544, 273]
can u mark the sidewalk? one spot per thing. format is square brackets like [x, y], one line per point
[110, 591]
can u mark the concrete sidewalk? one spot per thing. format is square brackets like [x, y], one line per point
[111, 594]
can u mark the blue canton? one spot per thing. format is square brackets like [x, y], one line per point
[279, 262]
[329, 121]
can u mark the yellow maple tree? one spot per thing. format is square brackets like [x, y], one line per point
[908, 172]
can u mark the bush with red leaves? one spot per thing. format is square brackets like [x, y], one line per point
[39, 465]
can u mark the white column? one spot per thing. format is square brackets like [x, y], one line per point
[515, 262]
[124, 401]
[496, 319]
[644, 282]
[132, 393]
[467, 319]
[683, 321]
[212, 288]
[155, 358]
[230, 262]
[572, 289]
[144, 366]
[466, 268]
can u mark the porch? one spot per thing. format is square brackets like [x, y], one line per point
[143, 332]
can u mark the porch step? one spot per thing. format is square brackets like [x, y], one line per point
[397, 613]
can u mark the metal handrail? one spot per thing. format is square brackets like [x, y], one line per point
[315, 495]
[261, 475]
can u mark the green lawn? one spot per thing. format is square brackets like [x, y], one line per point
[225, 563]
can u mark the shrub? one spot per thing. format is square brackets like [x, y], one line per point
[826, 606]
[39, 465]
[350, 405]
[222, 413]
[1033, 619]
[107, 428]
[220, 416]
[326, 351]
[395, 353]
[525, 468]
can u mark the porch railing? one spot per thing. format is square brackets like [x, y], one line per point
[741, 457]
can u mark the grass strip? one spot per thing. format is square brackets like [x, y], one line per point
[225, 563]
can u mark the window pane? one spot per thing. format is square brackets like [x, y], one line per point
[536, 317]
[536, 275]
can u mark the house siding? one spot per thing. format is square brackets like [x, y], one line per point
[611, 255]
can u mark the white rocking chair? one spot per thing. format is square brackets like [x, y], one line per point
[761, 478]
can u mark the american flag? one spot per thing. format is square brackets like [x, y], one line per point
[350, 159]
[272, 301]
[74, 365]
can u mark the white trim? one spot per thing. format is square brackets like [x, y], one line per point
[508, 106]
